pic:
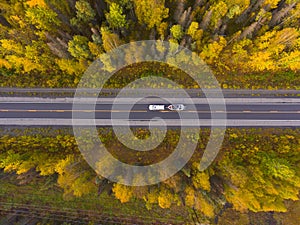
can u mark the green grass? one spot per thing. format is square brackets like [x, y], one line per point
[36, 195]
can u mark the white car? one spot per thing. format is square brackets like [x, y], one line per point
[156, 107]
[176, 107]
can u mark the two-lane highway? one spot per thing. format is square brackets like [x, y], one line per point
[283, 111]
[34, 111]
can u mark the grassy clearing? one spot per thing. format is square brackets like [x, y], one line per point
[44, 193]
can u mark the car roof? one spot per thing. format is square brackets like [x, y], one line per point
[156, 106]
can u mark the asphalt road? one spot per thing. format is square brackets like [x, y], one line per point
[255, 111]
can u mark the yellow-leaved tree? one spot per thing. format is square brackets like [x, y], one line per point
[122, 192]
[151, 13]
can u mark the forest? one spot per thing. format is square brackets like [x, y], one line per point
[256, 171]
[248, 44]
